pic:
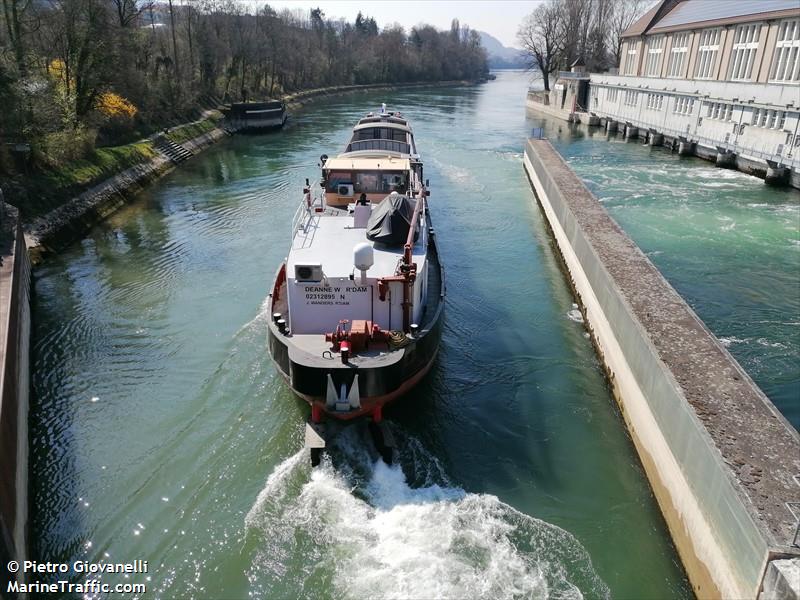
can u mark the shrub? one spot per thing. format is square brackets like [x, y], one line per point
[61, 147]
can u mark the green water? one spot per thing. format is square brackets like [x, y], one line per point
[160, 430]
[726, 241]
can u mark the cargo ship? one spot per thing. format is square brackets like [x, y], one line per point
[356, 307]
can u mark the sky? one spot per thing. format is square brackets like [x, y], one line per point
[500, 18]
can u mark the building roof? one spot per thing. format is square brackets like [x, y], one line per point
[674, 15]
[648, 19]
[383, 163]
[383, 123]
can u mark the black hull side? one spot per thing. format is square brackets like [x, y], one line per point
[373, 382]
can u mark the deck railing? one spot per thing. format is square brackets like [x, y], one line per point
[305, 210]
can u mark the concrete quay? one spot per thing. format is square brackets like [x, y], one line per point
[723, 463]
[539, 102]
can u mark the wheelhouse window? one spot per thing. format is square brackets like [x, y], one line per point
[655, 46]
[677, 54]
[380, 182]
[745, 45]
[368, 182]
[786, 62]
[707, 53]
[380, 133]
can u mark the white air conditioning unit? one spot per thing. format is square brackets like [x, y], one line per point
[308, 272]
[345, 189]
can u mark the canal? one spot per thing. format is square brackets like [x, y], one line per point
[160, 430]
[728, 243]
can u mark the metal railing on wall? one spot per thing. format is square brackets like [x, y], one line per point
[792, 159]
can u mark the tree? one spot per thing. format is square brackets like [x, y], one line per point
[542, 38]
[121, 69]
[625, 14]
[128, 11]
[14, 15]
[77, 41]
[174, 43]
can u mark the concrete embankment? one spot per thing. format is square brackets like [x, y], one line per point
[539, 102]
[15, 326]
[722, 461]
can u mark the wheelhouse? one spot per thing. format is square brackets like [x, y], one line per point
[379, 159]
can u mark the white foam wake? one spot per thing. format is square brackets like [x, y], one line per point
[370, 534]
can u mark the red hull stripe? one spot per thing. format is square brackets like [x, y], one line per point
[370, 403]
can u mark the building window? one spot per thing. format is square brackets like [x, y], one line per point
[707, 53]
[781, 120]
[655, 101]
[654, 47]
[719, 110]
[745, 45]
[630, 58]
[786, 62]
[684, 105]
[631, 98]
[612, 94]
[763, 117]
[728, 112]
[677, 55]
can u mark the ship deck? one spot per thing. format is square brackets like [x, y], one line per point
[310, 349]
[328, 238]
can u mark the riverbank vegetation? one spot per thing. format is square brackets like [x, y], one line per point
[77, 76]
[559, 33]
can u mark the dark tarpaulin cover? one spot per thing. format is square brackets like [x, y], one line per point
[391, 219]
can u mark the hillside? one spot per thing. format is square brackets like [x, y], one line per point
[501, 57]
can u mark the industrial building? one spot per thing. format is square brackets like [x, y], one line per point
[719, 77]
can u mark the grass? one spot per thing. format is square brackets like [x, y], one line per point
[101, 164]
[190, 130]
[50, 187]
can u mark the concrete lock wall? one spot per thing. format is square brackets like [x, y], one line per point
[15, 326]
[715, 525]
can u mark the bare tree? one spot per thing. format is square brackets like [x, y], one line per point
[128, 11]
[625, 14]
[174, 43]
[542, 37]
[14, 13]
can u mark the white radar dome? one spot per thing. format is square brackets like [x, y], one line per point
[363, 256]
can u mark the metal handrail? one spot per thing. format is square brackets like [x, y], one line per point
[792, 159]
[305, 209]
